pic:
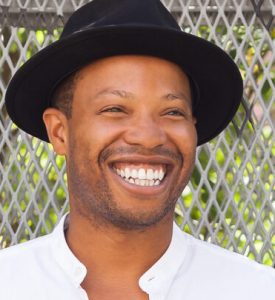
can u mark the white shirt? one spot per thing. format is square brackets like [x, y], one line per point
[46, 269]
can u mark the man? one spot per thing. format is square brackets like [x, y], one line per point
[126, 97]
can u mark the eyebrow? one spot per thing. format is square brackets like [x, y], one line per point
[128, 95]
[177, 95]
[119, 93]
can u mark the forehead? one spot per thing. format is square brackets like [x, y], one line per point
[134, 72]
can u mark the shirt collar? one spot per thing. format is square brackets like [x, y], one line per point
[160, 276]
[157, 279]
[64, 256]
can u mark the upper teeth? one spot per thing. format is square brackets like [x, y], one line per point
[141, 173]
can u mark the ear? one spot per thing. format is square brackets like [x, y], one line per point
[57, 127]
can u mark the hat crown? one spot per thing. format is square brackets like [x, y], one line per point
[101, 13]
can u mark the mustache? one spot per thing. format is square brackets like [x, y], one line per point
[161, 151]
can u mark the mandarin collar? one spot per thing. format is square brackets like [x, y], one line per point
[64, 257]
[157, 280]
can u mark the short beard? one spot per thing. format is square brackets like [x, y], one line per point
[95, 201]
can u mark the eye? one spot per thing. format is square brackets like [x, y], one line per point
[176, 112]
[113, 109]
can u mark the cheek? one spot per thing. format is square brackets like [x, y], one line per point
[91, 137]
[185, 139]
[184, 136]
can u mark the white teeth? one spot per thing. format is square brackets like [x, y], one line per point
[134, 173]
[141, 174]
[161, 175]
[143, 182]
[150, 174]
[127, 173]
[157, 182]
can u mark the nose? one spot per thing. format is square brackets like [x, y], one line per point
[145, 131]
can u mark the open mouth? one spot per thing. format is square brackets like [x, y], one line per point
[141, 175]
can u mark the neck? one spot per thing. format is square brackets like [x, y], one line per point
[109, 251]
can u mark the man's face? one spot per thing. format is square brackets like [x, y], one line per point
[131, 141]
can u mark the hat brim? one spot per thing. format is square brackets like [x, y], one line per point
[214, 72]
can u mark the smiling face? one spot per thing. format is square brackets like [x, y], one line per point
[130, 143]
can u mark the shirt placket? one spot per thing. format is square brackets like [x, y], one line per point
[82, 293]
[151, 285]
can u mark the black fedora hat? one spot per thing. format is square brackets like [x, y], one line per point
[105, 28]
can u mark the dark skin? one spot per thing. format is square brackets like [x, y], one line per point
[134, 112]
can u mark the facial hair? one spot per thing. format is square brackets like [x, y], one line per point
[94, 199]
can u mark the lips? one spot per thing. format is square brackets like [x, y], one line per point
[145, 175]
[141, 174]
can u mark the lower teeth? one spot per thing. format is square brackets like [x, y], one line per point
[143, 182]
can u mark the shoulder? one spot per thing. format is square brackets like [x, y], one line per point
[35, 251]
[24, 256]
[211, 263]
[205, 250]
[24, 267]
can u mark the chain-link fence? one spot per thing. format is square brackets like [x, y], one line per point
[230, 200]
